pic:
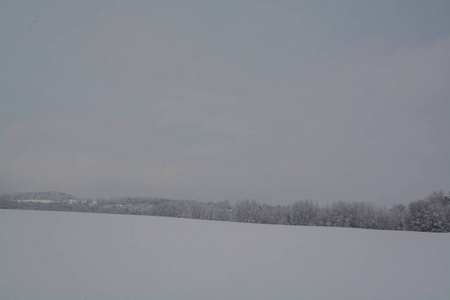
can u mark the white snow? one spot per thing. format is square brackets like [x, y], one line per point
[37, 201]
[61, 255]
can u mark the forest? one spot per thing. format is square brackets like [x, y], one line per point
[431, 214]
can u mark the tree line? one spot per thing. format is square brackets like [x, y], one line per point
[431, 214]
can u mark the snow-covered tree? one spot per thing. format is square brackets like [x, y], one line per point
[429, 214]
[304, 213]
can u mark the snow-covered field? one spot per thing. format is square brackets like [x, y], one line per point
[70, 201]
[60, 255]
[37, 201]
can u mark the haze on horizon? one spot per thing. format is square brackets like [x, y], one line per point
[211, 100]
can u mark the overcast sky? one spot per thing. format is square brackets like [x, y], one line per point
[275, 101]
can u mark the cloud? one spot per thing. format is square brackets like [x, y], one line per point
[197, 105]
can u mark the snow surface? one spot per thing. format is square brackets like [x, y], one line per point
[61, 255]
[37, 201]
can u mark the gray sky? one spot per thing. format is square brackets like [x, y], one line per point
[275, 101]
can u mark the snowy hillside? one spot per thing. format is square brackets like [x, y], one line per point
[60, 255]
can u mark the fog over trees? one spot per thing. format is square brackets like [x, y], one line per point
[431, 214]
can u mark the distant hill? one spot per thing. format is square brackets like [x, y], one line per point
[50, 195]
